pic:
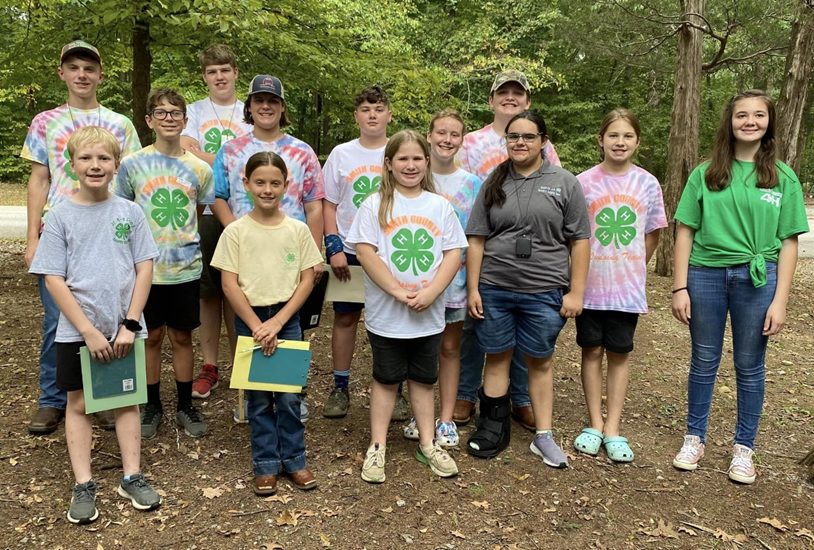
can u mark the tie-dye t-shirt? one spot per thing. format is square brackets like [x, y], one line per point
[305, 182]
[169, 190]
[460, 189]
[352, 173]
[47, 144]
[212, 125]
[622, 210]
[483, 150]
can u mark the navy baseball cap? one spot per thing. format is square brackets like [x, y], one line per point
[265, 83]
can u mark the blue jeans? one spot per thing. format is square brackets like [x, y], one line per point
[714, 291]
[472, 361]
[50, 396]
[277, 433]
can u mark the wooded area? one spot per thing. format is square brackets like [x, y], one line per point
[672, 62]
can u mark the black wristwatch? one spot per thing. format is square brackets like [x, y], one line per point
[131, 325]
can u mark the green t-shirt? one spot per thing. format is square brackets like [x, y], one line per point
[742, 223]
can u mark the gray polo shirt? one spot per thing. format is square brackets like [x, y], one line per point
[551, 203]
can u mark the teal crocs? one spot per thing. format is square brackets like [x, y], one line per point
[617, 448]
[589, 441]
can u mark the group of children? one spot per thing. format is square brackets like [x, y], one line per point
[223, 217]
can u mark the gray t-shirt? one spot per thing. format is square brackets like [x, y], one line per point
[95, 248]
[552, 208]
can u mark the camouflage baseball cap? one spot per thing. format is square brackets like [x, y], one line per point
[510, 76]
[79, 46]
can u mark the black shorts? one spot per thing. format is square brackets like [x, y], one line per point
[613, 330]
[210, 229]
[176, 306]
[398, 359]
[349, 307]
[69, 366]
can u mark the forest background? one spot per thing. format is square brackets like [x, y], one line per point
[674, 63]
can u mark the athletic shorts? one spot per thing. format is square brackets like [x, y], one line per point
[398, 359]
[176, 306]
[210, 229]
[613, 330]
[69, 366]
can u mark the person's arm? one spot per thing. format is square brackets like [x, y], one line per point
[339, 262]
[267, 333]
[651, 242]
[425, 297]
[580, 259]
[97, 344]
[786, 264]
[313, 218]
[681, 299]
[193, 147]
[474, 260]
[141, 290]
[38, 186]
[379, 274]
[222, 212]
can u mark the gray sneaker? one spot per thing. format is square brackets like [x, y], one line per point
[236, 413]
[192, 421]
[545, 447]
[401, 411]
[338, 404]
[305, 414]
[150, 420]
[83, 503]
[140, 493]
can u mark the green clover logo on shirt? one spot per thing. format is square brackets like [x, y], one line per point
[169, 209]
[363, 187]
[412, 250]
[122, 230]
[616, 227]
[68, 170]
[214, 139]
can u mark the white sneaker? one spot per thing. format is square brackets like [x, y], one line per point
[373, 467]
[691, 452]
[742, 468]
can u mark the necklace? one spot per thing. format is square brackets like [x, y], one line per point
[98, 116]
[217, 117]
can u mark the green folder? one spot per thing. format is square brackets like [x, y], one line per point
[286, 366]
[120, 383]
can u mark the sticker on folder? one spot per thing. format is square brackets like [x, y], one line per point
[120, 383]
[286, 370]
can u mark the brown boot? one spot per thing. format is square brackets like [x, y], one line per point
[304, 479]
[462, 413]
[265, 485]
[45, 420]
[106, 420]
[524, 415]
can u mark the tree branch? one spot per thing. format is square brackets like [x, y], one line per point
[715, 64]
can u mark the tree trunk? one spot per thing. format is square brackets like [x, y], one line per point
[142, 62]
[682, 148]
[792, 101]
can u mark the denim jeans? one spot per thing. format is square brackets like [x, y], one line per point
[472, 361]
[277, 433]
[50, 396]
[714, 291]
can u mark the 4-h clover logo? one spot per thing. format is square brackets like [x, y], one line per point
[121, 230]
[169, 208]
[67, 167]
[214, 139]
[413, 250]
[616, 227]
[363, 187]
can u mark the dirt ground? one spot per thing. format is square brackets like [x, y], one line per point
[513, 502]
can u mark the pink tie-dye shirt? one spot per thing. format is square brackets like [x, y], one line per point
[622, 210]
[483, 150]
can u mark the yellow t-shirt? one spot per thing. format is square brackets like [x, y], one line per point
[267, 259]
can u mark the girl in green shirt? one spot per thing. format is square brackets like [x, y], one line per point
[735, 252]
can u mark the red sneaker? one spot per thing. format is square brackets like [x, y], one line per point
[206, 382]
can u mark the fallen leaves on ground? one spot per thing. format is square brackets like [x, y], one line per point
[774, 522]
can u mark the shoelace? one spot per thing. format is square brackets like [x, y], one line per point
[741, 463]
[150, 413]
[84, 492]
[688, 452]
[210, 377]
[375, 459]
[194, 414]
[139, 482]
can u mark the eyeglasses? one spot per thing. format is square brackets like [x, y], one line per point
[161, 114]
[514, 138]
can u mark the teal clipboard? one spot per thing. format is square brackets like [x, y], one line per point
[120, 383]
[286, 366]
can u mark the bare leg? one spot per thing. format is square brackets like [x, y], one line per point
[128, 432]
[541, 390]
[78, 433]
[210, 329]
[618, 374]
[343, 339]
[229, 321]
[152, 354]
[592, 385]
[449, 371]
[496, 373]
[382, 402]
[182, 354]
[422, 400]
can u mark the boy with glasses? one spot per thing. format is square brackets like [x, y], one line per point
[172, 186]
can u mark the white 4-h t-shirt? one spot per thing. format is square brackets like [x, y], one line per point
[351, 173]
[412, 247]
